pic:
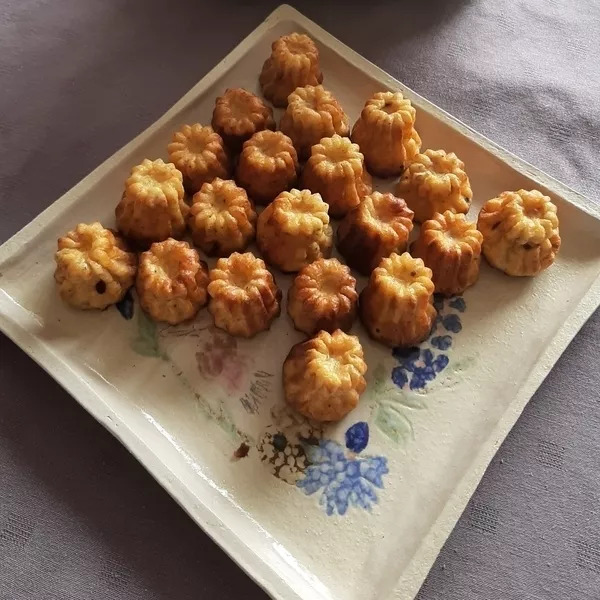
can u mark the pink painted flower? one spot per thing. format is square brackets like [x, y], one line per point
[235, 373]
[219, 359]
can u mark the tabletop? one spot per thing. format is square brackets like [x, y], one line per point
[79, 517]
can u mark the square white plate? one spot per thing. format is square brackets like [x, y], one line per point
[183, 399]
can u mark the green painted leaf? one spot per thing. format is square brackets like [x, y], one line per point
[144, 349]
[379, 379]
[464, 364]
[146, 342]
[146, 326]
[409, 400]
[393, 423]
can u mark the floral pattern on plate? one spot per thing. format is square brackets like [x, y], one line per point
[420, 365]
[306, 454]
[342, 479]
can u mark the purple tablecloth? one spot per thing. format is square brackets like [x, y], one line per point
[79, 517]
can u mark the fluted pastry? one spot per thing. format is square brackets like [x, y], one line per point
[244, 298]
[200, 154]
[94, 269]
[323, 297]
[312, 113]
[386, 134]
[238, 115]
[221, 218]
[520, 232]
[152, 207]
[268, 165]
[336, 170]
[374, 229]
[323, 377]
[451, 247]
[396, 307]
[435, 182]
[294, 230]
[294, 62]
[171, 281]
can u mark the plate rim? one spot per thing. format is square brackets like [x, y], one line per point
[409, 582]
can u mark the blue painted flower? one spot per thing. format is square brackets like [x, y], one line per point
[427, 368]
[420, 365]
[357, 436]
[399, 376]
[438, 302]
[343, 481]
[420, 369]
[441, 342]
[458, 304]
[406, 355]
[452, 323]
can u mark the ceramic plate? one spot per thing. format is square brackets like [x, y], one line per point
[355, 510]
